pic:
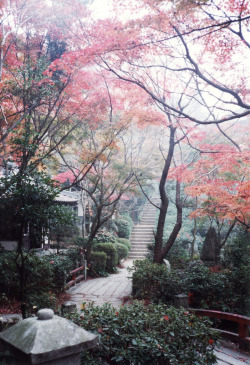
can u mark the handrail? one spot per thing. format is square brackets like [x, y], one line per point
[243, 322]
[74, 278]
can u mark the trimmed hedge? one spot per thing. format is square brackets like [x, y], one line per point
[124, 241]
[124, 228]
[122, 251]
[99, 261]
[111, 251]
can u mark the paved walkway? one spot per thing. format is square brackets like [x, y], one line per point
[118, 286]
[229, 354]
[104, 290]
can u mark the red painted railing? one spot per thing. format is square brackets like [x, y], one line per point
[243, 322]
[76, 277]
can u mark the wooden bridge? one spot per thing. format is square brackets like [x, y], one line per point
[228, 353]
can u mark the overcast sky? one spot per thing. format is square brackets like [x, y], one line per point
[100, 8]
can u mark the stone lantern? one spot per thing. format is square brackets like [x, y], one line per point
[47, 340]
[181, 300]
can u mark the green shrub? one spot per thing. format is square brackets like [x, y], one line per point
[177, 256]
[127, 218]
[111, 251]
[9, 278]
[110, 226]
[74, 253]
[61, 266]
[104, 237]
[99, 260]
[79, 241]
[123, 228]
[122, 251]
[44, 276]
[124, 241]
[148, 335]
[224, 288]
[237, 263]
[154, 281]
[207, 287]
[40, 279]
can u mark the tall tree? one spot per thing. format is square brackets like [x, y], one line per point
[220, 182]
[183, 55]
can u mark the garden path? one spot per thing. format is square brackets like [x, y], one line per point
[118, 286]
[111, 289]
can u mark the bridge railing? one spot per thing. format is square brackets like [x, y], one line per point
[77, 275]
[243, 325]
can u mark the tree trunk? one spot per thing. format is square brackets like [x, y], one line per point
[193, 241]
[20, 264]
[164, 200]
[178, 223]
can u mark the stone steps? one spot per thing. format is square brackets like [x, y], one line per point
[142, 234]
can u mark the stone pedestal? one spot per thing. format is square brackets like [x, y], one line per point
[68, 307]
[181, 300]
[47, 340]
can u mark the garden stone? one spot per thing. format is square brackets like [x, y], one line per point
[47, 340]
[167, 264]
[210, 250]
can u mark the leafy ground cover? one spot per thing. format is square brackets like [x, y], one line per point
[204, 286]
[154, 334]
[223, 287]
[10, 306]
[45, 280]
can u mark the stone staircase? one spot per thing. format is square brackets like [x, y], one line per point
[142, 233]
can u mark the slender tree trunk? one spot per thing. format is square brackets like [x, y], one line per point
[20, 264]
[164, 200]
[193, 241]
[178, 224]
[94, 229]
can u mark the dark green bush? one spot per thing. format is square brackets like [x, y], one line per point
[237, 262]
[61, 266]
[149, 335]
[99, 260]
[74, 254]
[177, 256]
[207, 286]
[9, 275]
[104, 237]
[122, 251]
[111, 251]
[124, 241]
[127, 218]
[110, 226]
[44, 276]
[124, 228]
[80, 242]
[155, 282]
[39, 279]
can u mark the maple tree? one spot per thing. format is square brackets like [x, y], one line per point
[184, 56]
[172, 63]
[188, 41]
[110, 177]
[220, 182]
[43, 87]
